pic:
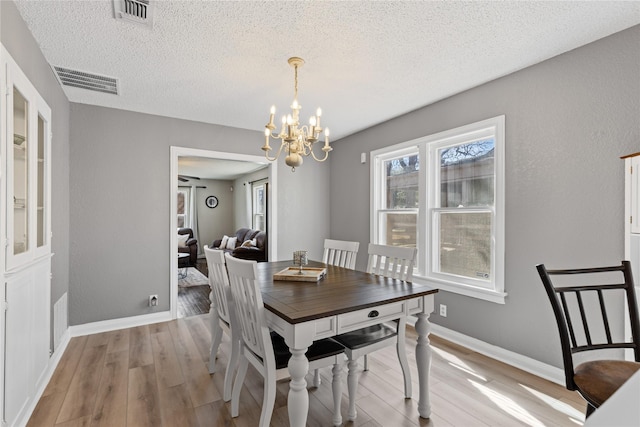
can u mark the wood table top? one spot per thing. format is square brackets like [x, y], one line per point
[341, 291]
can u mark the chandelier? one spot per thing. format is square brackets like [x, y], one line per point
[297, 141]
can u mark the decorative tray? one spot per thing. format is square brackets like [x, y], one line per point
[309, 274]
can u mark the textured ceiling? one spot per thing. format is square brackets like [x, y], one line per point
[225, 62]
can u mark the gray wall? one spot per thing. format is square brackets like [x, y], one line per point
[568, 120]
[213, 223]
[120, 223]
[17, 39]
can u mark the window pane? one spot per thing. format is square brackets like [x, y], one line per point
[402, 182]
[181, 202]
[400, 229]
[21, 151]
[259, 200]
[258, 221]
[464, 244]
[466, 174]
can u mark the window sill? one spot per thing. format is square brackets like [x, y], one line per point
[470, 291]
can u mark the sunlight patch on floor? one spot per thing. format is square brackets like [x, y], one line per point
[508, 405]
[468, 371]
[556, 404]
[456, 362]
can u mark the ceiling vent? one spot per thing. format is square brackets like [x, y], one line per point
[88, 81]
[136, 11]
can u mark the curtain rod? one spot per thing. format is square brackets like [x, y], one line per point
[256, 180]
[189, 186]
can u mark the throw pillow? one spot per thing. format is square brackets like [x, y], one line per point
[182, 240]
[223, 244]
[249, 243]
[231, 243]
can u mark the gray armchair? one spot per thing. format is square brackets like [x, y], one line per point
[191, 248]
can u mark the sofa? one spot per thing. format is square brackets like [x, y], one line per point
[190, 247]
[255, 249]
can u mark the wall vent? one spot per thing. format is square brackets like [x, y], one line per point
[83, 80]
[60, 322]
[135, 11]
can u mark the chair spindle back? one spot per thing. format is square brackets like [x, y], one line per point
[219, 281]
[391, 261]
[249, 307]
[340, 253]
[577, 324]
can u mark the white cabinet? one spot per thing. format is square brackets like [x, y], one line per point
[632, 225]
[632, 212]
[25, 224]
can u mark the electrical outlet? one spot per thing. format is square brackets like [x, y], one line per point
[153, 300]
[443, 310]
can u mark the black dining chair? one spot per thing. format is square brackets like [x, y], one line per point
[576, 298]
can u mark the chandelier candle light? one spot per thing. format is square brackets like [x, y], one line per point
[297, 141]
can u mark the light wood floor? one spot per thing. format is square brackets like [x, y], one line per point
[156, 375]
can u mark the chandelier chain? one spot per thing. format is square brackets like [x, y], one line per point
[295, 90]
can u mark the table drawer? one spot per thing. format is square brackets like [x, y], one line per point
[370, 316]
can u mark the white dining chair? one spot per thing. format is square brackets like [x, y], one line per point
[341, 253]
[222, 316]
[393, 262]
[267, 351]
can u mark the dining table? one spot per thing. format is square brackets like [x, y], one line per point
[342, 300]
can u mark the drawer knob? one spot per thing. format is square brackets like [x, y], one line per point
[373, 313]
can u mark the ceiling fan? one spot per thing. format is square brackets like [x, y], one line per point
[185, 178]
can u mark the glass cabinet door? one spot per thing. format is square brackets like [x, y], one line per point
[21, 141]
[28, 187]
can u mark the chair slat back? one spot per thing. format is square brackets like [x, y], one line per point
[391, 261]
[340, 253]
[249, 307]
[219, 281]
[580, 311]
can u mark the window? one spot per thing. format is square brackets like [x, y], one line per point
[183, 207]
[399, 201]
[259, 206]
[456, 199]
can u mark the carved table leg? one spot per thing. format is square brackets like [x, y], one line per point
[423, 360]
[298, 400]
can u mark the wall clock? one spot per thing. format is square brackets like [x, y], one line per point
[211, 202]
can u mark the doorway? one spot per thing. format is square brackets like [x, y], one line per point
[175, 154]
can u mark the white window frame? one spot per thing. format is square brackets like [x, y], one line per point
[429, 192]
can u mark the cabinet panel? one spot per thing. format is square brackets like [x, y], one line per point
[17, 345]
[635, 196]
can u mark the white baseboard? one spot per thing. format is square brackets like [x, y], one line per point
[115, 324]
[519, 361]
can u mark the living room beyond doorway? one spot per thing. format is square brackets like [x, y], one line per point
[218, 203]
